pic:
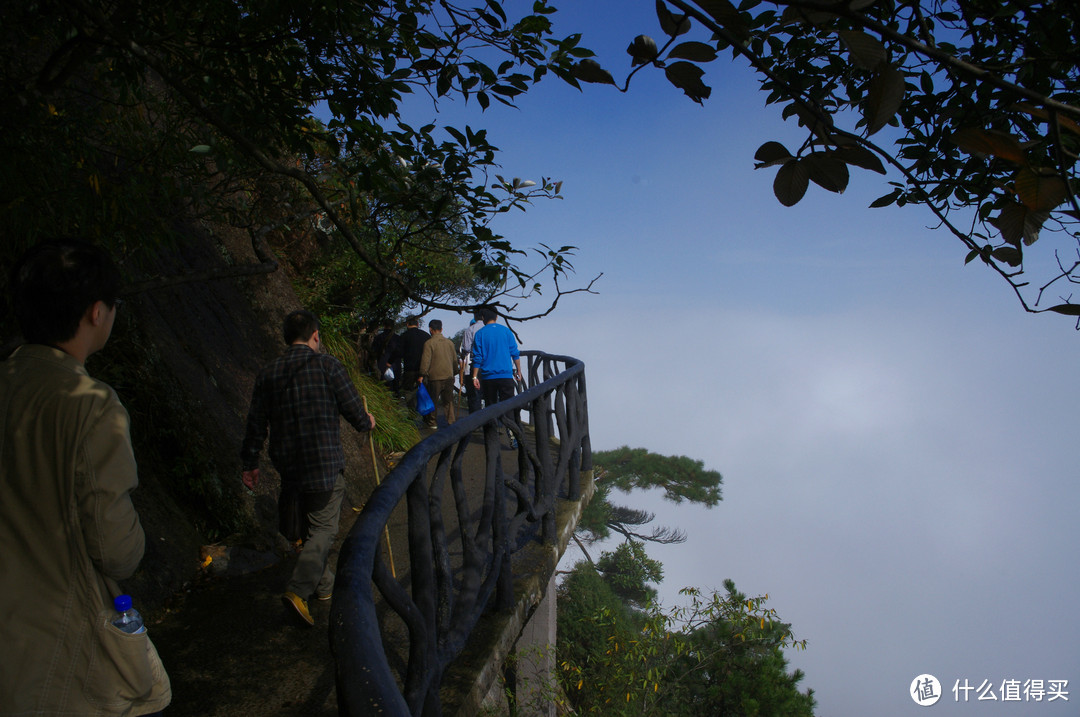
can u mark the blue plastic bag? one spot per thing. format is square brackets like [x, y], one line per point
[424, 404]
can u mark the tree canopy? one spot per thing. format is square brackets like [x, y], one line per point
[628, 469]
[721, 654]
[969, 108]
[123, 117]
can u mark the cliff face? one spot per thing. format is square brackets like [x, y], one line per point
[183, 360]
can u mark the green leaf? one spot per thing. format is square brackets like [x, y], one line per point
[866, 50]
[687, 77]
[591, 71]
[446, 76]
[694, 51]
[791, 183]
[1067, 309]
[770, 154]
[1040, 193]
[200, 149]
[1018, 223]
[886, 200]
[884, 97]
[643, 49]
[672, 25]
[497, 8]
[819, 122]
[1010, 222]
[827, 171]
[860, 156]
[727, 15]
[978, 141]
[1009, 255]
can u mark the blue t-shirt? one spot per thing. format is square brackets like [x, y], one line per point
[494, 351]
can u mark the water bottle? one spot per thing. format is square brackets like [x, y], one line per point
[128, 619]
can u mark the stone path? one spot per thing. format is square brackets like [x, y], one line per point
[232, 649]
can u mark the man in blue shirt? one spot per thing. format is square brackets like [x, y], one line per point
[496, 362]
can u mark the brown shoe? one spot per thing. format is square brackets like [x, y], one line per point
[300, 605]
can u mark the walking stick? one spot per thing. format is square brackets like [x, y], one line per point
[375, 465]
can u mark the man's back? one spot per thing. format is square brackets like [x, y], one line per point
[412, 347]
[439, 360]
[300, 395]
[70, 531]
[495, 351]
[52, 410]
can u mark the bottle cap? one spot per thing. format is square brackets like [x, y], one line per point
[122, 603]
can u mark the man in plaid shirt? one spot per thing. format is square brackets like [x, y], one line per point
[300, 395]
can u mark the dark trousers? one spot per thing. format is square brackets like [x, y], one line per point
[501, 389]
[497, 389]
[409, 384]
[472, 395]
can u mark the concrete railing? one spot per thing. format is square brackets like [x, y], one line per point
[466, 519]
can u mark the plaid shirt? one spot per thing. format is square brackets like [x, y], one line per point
[300, 395]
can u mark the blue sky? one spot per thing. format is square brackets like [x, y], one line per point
[897, 437]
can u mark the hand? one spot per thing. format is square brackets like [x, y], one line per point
[419, 379]
[371, 421]
[250, 478]
[476, 381]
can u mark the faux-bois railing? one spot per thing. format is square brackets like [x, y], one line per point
[463, 528]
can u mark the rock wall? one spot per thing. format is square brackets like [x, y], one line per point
[184, 360]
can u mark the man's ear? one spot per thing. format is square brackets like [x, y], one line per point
[96, 313]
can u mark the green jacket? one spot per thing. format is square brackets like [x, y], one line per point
[68, 532]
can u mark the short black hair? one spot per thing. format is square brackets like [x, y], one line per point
[55, 282]
[299, 326]
[435, 325]
[412, 321]
[488, 315]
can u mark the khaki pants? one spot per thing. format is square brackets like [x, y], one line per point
[312, 573]
[442, 394]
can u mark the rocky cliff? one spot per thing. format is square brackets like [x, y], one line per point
[183, 359]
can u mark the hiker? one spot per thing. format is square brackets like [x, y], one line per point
[496, 363]
[299, 395]
[472, 394]
[412, 349]
[67, 523]
[386, 353]
[438, 366]
[364, 339]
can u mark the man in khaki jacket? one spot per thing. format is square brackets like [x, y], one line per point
[438, 366]
[68, 529]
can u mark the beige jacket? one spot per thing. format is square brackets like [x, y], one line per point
[439, 361]
[68, 532]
